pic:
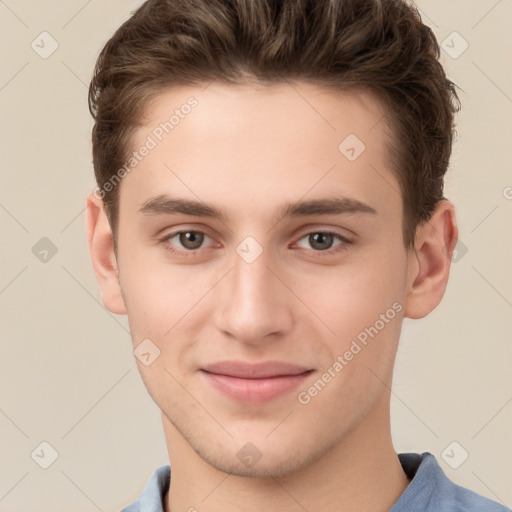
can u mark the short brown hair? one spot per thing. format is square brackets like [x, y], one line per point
[376, 45]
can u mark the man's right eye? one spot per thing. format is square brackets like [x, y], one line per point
[187, 241]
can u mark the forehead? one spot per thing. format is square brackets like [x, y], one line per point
[303, 108]
[262, 144]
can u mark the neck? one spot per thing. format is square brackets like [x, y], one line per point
[361, 473]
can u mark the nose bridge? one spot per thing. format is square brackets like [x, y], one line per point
[252, 280]
[253, 303]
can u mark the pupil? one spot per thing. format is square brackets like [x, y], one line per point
[319, 240]
[191, 239]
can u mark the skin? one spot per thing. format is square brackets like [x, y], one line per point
[247, 150]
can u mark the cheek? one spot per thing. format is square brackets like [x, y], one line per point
[364, 313]
[351, 297]
[161, 297]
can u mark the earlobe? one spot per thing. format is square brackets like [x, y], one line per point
[101, 248]
[429, 263]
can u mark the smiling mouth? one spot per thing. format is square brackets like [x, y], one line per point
[255, 383]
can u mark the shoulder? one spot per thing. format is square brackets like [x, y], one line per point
[153, 495]
[431, 490]
[468, 501]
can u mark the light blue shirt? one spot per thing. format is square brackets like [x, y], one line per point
[430, 490]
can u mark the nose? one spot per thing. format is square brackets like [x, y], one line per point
[254, 305]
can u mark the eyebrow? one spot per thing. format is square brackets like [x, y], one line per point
[166, 205]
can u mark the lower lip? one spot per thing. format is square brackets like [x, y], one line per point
[255, 390]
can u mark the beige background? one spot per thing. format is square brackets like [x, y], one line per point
[67, 373]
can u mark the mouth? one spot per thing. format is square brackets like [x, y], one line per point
[255, 383]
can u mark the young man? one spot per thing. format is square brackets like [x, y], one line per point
[269, 209]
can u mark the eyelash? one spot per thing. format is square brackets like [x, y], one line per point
[194, 252]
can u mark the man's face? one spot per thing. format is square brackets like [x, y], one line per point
[312, 288]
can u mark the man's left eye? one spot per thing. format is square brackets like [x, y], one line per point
[322, 240]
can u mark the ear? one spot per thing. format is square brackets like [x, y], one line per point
[101, 248]
[429, 262]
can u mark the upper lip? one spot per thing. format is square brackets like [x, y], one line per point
[265, 369]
